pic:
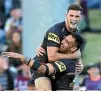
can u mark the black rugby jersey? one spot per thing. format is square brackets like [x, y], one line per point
[53, 38]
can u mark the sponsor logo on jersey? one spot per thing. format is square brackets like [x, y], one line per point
[53, 37]
[61, 66]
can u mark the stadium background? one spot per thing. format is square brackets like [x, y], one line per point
[37, 17]
[40, 15]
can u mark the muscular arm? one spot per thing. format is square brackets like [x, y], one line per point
[48, 69]
[54, 55]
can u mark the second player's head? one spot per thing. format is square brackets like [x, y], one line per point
[71, 43]
[73, 16]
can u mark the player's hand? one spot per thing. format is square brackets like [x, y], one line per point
[79, 67]
[14, 55]
[77, 54]
[40, 51]
[74, 55]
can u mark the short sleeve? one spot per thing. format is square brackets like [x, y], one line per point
[53, 38]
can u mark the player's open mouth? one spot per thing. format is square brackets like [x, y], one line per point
[73, 23]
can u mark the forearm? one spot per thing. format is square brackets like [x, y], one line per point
[37, 66]
[48, 69]
[57, 56]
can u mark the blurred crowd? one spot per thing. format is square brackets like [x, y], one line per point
[90, 78]
[13, 73]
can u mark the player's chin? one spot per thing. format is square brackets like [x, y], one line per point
[61, 50]
[73, 28]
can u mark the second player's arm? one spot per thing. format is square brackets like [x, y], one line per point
[54, 55]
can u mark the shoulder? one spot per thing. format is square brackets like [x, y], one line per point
[56, 28]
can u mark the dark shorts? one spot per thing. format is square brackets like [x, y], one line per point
[64, 82]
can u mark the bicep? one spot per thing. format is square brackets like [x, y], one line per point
[52, 50]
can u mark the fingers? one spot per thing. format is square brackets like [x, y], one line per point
[40, 51]
[6, 54]
[9, 54]
[79, 67]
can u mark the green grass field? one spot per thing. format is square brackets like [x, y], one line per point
[92, 50]
[95, 18]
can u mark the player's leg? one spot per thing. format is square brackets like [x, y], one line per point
[43, 83]
[40, 81]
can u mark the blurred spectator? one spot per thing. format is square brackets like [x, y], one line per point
[15, 43]
[8, 4]
[15, 47]
[2, 19]
[2, 6]
[3, 46]
[2, 22]
[21, 82]
[6, 78]
[14, 22]
[93, 80]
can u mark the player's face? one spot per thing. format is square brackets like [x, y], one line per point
[67, 44]
[72, 19]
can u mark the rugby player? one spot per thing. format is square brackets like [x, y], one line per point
[62, 68]
[55, 34]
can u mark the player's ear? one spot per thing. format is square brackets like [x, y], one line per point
[73, 49]
[65, 15]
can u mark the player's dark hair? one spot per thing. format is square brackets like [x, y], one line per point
[75, 7]
[78, 38]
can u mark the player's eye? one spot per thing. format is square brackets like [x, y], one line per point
[67, 42]
[71, 15]
[77, 16]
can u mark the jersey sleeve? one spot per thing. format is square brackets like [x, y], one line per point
[65, 65]
[53, 37]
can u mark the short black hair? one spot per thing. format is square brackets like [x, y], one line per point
[78, 38]
[75, 7]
